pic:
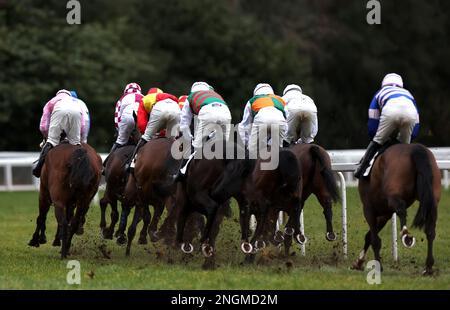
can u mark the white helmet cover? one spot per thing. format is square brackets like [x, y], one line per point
[292, 87]
[200, 86]
[392, 79]
[263, 89]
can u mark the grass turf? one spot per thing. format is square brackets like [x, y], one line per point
[153, 266]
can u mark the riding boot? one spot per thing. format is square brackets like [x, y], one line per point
[286, 144]
[129, 164]
[184, 164]
[364, 163]
[114, 147]
[37, 169]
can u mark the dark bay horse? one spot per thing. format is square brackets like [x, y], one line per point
[116, 180]
[318, 179]
[69, 180]
[263, 193]
[153, 176]
[401, 175]
[195, 196]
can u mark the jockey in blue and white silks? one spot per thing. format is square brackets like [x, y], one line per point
[393, 110]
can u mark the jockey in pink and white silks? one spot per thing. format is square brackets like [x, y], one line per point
[62, 114]
[301, 115]
[393, 110]
[123, 116]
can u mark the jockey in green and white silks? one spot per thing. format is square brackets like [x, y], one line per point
[210, 108]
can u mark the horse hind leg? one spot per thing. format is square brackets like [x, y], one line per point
[103, 206]
[132, 229]
[153, 228]
[108, 232]
[39, 237]
[380, 223]
[210, 261]
[326, 203]
[60, 213]
[146, 217]
[399, 207]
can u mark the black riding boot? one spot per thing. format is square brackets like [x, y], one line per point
[286, 144]
[370, 152]
[41, 160]
[140, 144]
[114, 147]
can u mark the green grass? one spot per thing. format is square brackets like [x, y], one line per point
[23, 267]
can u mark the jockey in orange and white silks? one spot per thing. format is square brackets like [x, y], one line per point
[62, 114]
[301, 115]
[263, 111]
[393, 111]
[126, 106]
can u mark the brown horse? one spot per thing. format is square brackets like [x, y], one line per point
[116, 179]
[69, 180]
[194, 195]
[401, 175]
[153, 175]
[318, 179]
[263, 193]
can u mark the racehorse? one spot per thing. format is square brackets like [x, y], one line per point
[116, 179]
[317, 179]
[195, 195]
[263, 193]
[153, 175]
[402, 174]
[69, 180]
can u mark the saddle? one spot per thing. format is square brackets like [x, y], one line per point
[382, 149]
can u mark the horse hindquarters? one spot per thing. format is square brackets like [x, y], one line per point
[426, 216]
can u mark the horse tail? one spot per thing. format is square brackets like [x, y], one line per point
[325, 172]
[289, 170]
[81, 172]
[424, 186]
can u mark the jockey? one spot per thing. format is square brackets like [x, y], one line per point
[123, 117]
[182, 101]
[157, 111]
[62, 114]
[210, 108]
[86, 126]
[301, 113]
[393, 109]
[263, 110]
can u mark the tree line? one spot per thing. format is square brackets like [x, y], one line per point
[325, 46]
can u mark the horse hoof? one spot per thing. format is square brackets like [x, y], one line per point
[207, 250]
[408, 241]
[278, 237]
[246, 247]
[330, 236]
[187, 248]
[358, 265]
[121, 240]
[42, 240]
[56, 242]
[154, 237]
[301, 239]
[34, 243]
[259, 245]
[427, 272]
[79, 231]
[142, 241]
[289, 231]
